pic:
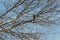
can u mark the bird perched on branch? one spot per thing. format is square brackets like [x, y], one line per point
[35, 16]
